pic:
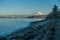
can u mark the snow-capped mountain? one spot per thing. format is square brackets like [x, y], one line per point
[39, 13]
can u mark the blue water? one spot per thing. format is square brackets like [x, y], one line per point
[8, 26]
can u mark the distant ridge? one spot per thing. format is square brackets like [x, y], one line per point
[37, 15]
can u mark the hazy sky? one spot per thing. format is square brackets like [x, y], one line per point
[26, 6]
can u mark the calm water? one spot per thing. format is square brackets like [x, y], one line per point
[9, 25]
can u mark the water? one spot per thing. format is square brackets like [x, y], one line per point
[8, 26]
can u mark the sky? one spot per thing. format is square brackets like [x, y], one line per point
[26, 7]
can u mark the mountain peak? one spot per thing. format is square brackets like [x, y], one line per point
[39, 13]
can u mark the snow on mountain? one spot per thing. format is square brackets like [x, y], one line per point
[39, 13]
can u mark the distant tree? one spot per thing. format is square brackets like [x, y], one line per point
[53, 14]
[55, 8]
